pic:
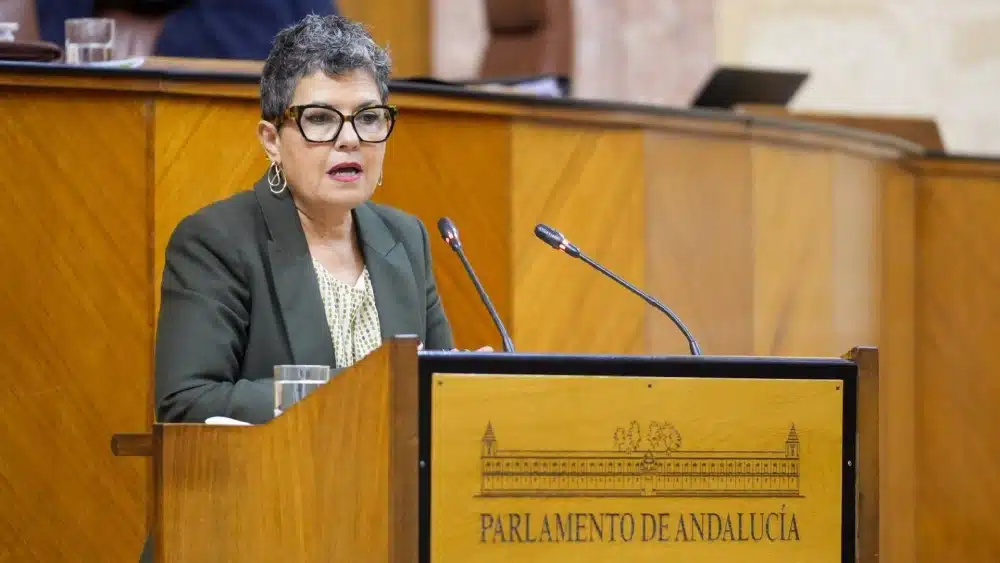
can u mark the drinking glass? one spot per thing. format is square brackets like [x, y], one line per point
[293, 383]
[7, 31]
[89, 40]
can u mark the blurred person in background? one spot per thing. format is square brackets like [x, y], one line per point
[208, 29]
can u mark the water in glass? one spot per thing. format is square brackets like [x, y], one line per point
[294, 383]
[89, 40]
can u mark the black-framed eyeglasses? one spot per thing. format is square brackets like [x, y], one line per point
[320, 123]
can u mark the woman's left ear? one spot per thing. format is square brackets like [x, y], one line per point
[267, 133]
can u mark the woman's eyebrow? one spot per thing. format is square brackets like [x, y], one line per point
[359, 106]
[317, 103]
[366, 103]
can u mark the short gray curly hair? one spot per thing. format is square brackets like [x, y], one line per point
[333, 44]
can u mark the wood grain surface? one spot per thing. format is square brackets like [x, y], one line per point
[76, 325]
[766, 235]
[331, 479]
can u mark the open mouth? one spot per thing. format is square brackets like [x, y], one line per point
[346, 172]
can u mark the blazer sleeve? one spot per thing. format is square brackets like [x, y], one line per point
[439, 336]
[202, 331]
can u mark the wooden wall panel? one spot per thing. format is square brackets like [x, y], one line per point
[855, 299]
[958, 388]
[797, 231]
[699, 242]
[815, 269]
[587, 183]
[442, 164]
[204, 150]
[793, 248]
[897, 403]
[76, 325]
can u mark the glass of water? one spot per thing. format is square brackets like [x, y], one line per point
[89, 40]
[293, 383]
[7, 30]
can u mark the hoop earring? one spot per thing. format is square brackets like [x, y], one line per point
[379, 180]
[276, 178]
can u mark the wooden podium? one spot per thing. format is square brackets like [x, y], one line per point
[469, 457]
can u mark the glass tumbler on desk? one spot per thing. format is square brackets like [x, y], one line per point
[89, 40]
[7, 30]
[294, 383]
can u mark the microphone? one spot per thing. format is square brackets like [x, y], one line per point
[556, 240]
[449, 232]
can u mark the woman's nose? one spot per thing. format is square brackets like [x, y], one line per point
[348, 137]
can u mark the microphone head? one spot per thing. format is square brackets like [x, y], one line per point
[549, 235]
[556, 240]
[449, 232]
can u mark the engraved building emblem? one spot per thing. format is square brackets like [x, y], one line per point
[652, 464]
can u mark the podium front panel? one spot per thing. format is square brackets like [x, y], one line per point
[638, 460]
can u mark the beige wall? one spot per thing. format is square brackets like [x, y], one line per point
[936, 58]
[458, 38]
[915, 57]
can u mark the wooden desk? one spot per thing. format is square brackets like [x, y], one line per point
[766, 235]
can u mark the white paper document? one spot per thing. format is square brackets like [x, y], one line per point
[224, 421]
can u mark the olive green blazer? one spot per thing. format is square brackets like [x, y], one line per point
[240, 295]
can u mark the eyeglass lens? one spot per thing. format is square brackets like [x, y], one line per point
[322, 124]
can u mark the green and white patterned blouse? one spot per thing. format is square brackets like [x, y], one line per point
[351, 314]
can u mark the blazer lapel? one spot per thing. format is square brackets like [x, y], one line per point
[295, 281]
[396, 295]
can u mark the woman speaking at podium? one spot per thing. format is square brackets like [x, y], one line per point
[303, 268]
